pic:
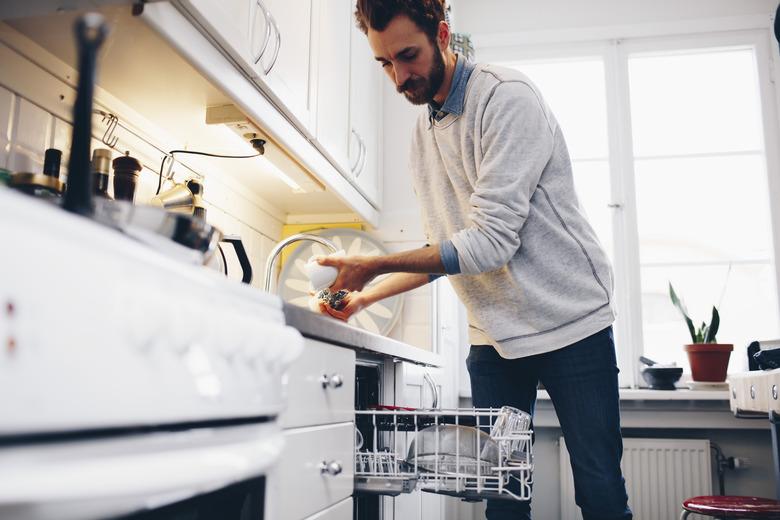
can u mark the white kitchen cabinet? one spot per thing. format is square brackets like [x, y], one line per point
[314, 472]
[271, 41]
[320, 386]
[421, 388]
[229, 23]
[333, 37]
[341, 511]
[365, 109]
[282, 30]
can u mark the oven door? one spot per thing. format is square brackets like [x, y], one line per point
[199, 473]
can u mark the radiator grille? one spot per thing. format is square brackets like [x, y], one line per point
[659, 473]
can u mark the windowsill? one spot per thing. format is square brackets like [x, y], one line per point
[645, 394]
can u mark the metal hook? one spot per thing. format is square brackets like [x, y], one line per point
[109, 139]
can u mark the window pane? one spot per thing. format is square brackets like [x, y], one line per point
[703, 220]
[695, 103]
[581, 111]
[748, 310]
[703, 209]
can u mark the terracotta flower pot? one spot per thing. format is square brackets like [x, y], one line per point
[709, 361]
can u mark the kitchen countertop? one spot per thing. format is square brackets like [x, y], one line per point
[330, 330]
[646, 394]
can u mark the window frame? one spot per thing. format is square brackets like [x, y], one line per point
[615, 54]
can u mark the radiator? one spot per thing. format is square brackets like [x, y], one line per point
[659, 473]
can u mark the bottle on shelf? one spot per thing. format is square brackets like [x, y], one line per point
[101, 167]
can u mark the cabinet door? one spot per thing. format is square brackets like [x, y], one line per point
[315, 471]
[451, 339]
[282, 30]
[418, 385]
[229, 23]
[333, 80]
[320, 386]
[365, 118]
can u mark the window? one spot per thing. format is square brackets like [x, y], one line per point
[701, 190]
[582, 115]
[684, 200]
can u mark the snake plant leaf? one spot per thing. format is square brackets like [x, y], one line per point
[684, 311]
[714, 325]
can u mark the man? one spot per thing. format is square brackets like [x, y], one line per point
[493, 176]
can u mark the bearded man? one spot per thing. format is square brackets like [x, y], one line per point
[494, 181]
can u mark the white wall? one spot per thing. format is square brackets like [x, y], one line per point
[482, 17]
[400, 225]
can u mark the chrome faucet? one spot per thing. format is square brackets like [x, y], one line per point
[271, 262]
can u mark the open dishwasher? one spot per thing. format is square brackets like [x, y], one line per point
[473, 454]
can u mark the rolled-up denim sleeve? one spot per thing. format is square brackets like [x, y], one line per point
[449, 259]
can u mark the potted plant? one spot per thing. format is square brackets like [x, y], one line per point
[709, 359]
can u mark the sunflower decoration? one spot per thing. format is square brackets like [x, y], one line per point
[295, 289]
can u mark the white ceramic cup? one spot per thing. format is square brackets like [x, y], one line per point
[321, 276]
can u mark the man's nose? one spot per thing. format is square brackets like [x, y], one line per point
[401, 75]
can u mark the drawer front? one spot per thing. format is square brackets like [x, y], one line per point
[341, 511]
[773, 390]
[321, 386]
[752, 392]
[298, 486]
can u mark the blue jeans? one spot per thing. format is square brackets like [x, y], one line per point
[582, 382]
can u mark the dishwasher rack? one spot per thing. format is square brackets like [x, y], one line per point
[451, 452]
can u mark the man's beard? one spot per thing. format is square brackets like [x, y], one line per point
[419, 90]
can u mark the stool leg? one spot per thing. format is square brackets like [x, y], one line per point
[684, 514]
[774, 419]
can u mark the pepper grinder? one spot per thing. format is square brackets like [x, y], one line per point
[126, 171]
[101, 166]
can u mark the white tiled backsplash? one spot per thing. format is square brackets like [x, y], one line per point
[27, 130]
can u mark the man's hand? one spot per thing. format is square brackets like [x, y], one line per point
[352, 303]
[354, 271]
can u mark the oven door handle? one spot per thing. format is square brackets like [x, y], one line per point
[136, 474]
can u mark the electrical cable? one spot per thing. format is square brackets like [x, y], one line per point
[206, 154]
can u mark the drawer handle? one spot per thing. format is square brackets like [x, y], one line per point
[331, 468]
[334, 381]
[774, 392]
[752, 391]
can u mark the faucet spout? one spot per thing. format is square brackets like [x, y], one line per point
[301, 237]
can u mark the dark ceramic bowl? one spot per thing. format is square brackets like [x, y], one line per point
[662, 378]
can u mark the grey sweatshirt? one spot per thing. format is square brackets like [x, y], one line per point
[497, 182]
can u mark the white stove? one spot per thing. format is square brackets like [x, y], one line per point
[130, 382]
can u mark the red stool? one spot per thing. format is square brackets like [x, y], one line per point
[732, 507]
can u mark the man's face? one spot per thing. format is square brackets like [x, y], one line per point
[409, 59]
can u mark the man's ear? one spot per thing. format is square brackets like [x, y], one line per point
[443, 36]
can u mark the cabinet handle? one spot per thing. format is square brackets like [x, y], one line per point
[334, 381]
[360, 163]
[353, 167]
[267, 70]
[331, 468]
[362, 160]
[434, 390]
[267, 37]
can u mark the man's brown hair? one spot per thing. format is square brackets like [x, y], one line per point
[377, 14]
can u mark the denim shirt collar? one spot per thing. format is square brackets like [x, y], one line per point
[457, 94]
